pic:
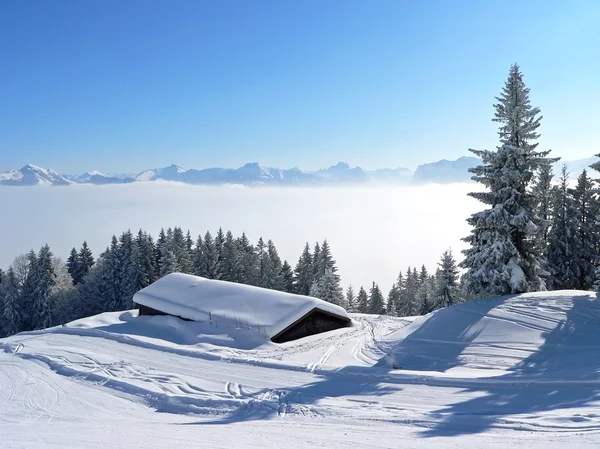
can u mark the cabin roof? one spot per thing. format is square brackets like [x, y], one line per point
[200, 299]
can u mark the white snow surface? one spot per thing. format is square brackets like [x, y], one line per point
[521, 371]
[230, 304]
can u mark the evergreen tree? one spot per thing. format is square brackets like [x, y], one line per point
[95, 291]
[28, 291]
[86, 260]
[219, 242]
[586, 207]
[447, 281]
[206, 258]
[303, 272]
[276, 276]
[328, 289]
[248, 261]
[407, 305]
[231, 269]
[326, 261]
[561, 256]
[316, 265]
[504, 255]
[362, 301]
[113, 276]
[350, 300]
[392, 300]
[376, 305]
[74, 266]
[181, 251]
[425, 296]
[161, 245]
[543, 196]
[288, 277]
[45, 279]
[130, 276]
[13, 316]
[146, 263]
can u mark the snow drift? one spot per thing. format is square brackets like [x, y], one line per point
[551, 335]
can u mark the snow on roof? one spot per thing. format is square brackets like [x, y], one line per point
[199, 299]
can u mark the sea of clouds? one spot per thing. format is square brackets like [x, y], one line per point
[374, 232]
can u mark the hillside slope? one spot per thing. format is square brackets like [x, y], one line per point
[469, 376]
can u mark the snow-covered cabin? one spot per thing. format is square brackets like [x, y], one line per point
[280, 316]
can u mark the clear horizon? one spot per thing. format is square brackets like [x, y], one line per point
[126, 86]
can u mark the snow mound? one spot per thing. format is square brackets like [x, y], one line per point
[230, 304]
[553, 335]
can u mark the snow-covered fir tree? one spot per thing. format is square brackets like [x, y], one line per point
[248, 261]
[376, 304]
[147, 262]
[316, 265]
[287, 275]
[447, 281]
[303, 273]
[114, 275]
[596, 167]
[45, 279]
[206, 258]
[562, 245]
[28, 291]
[392, 299]
[350, 299]
[328, 289]
[362, 300]
[219, 242]
[180, 245]
[504, 256]
[586, 208]
[425, 296]
[231, 269]
[12, 310]
[276, 267]
[542, 193]
[73, 266]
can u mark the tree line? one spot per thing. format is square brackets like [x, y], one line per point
[39, 290]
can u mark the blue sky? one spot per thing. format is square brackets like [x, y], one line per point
[120, 86]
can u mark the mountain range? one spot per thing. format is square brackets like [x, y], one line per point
[254, 174]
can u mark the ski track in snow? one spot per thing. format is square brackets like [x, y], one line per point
[63, 376]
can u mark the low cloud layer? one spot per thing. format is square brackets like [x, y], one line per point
[374, 232]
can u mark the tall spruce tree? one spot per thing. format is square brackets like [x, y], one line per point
[542, 194]
[504, 256]
[28, 291]
[447, 281]
[287, 275]
[586, 208]
[392, 299]
[303, 273]
[376, 304]
[273, 269]
[73, 266]
[350, 299]
[231, 269]
[45, 278]
[86, 260]
[248, 261]
[562, 245]
[328, 288]
[362, 301]
[12, 310]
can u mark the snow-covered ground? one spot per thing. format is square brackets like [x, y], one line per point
[494, 373]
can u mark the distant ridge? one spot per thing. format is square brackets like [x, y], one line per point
[255, 174]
